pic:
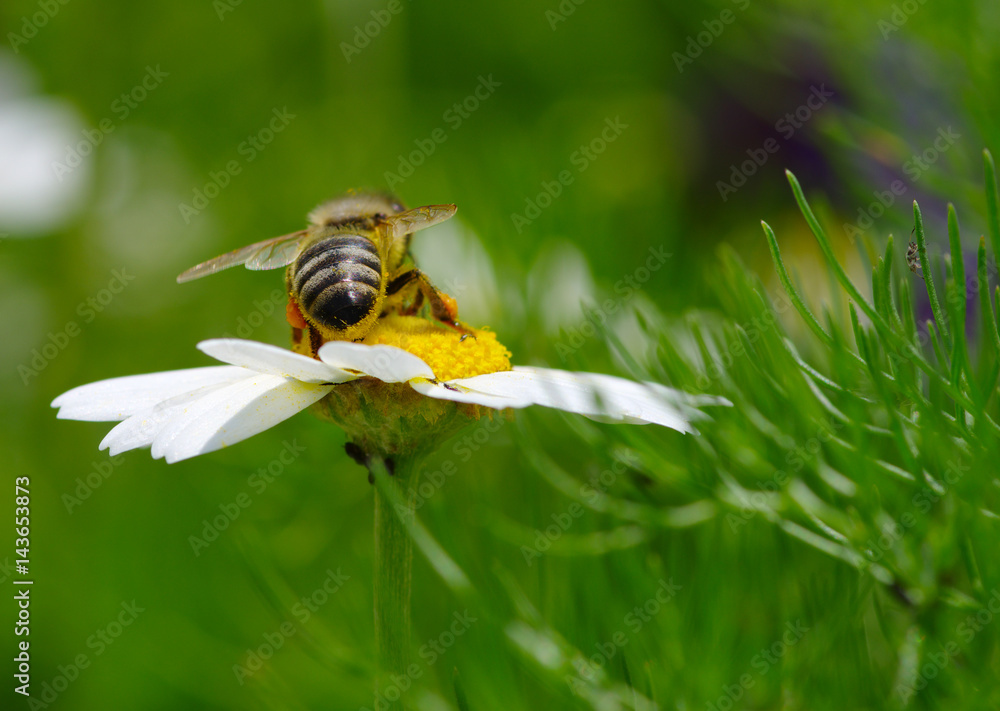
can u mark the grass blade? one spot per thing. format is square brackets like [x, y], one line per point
[957, 270]
[793, 294]
[925, 267]
[992, 208]
[827, 249]
[989, 320]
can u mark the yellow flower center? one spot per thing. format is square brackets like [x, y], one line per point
[443, 349]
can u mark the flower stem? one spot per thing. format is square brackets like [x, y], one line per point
[393, 575]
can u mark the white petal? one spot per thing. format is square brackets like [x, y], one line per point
[140, 429]
[231, 414]
[457, 392]
[118, 398]
[602, 397]
[387, 363]
[265, 358]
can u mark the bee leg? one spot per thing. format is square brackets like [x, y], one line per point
[397, 283]
[315, 341]
[443, 306]
[400, 282]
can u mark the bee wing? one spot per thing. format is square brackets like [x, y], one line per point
[269, 254]
[419, 218]
[279, 252]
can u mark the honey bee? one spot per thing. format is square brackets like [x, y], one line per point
[350, 266]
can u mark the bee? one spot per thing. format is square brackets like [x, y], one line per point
[349, 267]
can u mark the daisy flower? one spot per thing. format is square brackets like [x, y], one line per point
[403, 390]
[408, 386]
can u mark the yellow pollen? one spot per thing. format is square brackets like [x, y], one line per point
[442, 348]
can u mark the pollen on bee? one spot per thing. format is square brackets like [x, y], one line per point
[294, 316]
[450, 304]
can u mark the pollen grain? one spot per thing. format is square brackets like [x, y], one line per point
[448, 354]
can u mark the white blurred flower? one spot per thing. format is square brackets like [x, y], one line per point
[560, 278]
[35, 133]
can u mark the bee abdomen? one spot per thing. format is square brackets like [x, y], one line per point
[338, 280]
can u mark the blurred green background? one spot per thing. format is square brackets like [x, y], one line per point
[139, 139]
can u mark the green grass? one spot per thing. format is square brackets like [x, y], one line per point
[829, 542]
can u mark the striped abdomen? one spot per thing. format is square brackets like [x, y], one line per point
[338, 280]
